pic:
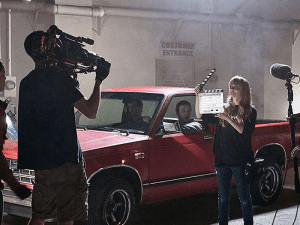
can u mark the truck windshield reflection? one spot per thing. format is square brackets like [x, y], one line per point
[123, 112]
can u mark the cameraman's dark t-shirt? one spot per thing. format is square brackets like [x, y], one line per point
[47, 136]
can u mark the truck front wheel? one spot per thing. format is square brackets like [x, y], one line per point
[111, 204]
[266, 187]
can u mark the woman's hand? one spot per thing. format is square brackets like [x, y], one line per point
[238, 125]
[222, 116]
[197, 103]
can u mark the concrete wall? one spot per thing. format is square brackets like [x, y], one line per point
[22, 24]
[132, 45]
[296, 70]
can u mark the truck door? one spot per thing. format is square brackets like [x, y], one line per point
[181, 163]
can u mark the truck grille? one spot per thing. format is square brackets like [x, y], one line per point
[22, 175]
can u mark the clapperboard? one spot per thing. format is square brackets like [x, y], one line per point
[211, 101]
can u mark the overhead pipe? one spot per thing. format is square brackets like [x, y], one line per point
[170, 15]
[9, 42]
[140, 13]
[184, 16]
[51, 8]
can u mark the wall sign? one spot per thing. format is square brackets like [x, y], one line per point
[177, 49]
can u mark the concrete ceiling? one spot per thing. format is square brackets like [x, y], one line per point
[265, 10]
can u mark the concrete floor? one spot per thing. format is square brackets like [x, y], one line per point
[202, 210]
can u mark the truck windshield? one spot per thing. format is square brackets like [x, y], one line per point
[123, 112]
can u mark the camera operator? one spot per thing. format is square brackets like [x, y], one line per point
[48, 141]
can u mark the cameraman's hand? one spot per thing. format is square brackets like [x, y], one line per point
[103, 68]
[22, 192]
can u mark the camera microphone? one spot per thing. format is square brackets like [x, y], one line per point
[282, 71]
[77, 39]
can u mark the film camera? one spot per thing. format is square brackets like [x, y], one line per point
[59, 49]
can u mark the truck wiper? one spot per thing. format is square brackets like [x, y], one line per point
[128, 131]
[122, 131]
[91, 127]
[111, 129]
[81, 127]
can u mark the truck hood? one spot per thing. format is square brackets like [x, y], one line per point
[91, 139]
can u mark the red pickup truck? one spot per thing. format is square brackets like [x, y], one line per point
[129, 164]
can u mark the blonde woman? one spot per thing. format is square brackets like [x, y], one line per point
[232, 146]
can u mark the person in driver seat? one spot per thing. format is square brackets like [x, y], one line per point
[186, 123]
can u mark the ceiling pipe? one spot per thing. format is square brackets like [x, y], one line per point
[9, 44]
[170, 15]
[52, 8]
[110, 11]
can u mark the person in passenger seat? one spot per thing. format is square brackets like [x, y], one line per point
[186, 123]
[135, 120]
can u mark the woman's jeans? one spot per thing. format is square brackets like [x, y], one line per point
[224, 175]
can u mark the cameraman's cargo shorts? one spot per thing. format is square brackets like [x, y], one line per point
[60, 193]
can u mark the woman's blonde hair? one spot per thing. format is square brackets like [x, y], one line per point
[245, 109]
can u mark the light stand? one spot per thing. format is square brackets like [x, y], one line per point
[290, 96]
[292, 121]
